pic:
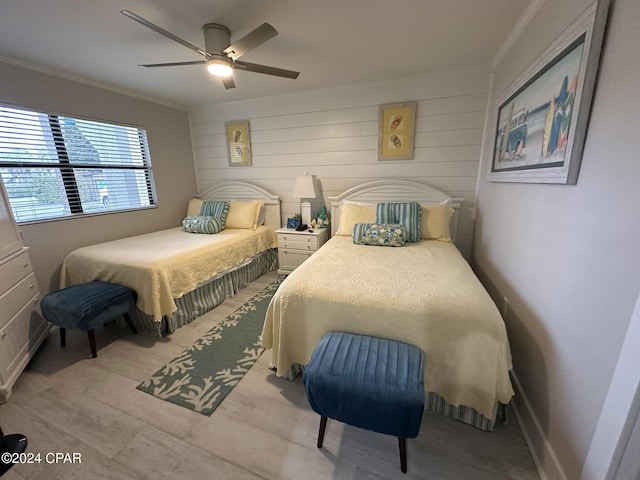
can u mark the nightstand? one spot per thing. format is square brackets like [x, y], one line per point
[295, 247]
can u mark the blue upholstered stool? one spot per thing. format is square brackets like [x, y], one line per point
[86, 306]
[367, 382]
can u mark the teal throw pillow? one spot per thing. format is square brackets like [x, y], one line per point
[407, 214]
[215, 209]
[202, 224]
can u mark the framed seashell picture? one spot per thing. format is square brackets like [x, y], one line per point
[396, 130]
[238, 143]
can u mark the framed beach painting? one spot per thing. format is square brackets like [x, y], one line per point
[238, 143]
[542, 124]
[396, 125]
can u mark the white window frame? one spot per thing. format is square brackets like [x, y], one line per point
[123, 159]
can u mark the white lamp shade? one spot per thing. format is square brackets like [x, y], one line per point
[304, 187]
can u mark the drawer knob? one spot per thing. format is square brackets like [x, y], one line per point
[26, 265]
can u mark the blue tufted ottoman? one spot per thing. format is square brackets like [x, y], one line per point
[86, 306]
[367, 382]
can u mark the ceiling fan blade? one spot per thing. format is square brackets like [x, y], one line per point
[250, 41]
[173, 64]
[162, 31]
[256, 68]
[228, 82]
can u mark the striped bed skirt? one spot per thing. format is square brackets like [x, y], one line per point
[435, 403]
[208, 295]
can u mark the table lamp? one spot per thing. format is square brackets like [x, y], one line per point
[303, 188]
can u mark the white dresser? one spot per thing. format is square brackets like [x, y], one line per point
[22, 328]
[295, 247]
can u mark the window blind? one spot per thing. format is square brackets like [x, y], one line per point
[53, 166]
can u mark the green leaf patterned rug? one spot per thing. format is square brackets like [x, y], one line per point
[204, 374]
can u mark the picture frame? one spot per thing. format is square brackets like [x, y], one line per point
[541, 126]
[238, 143]
[293, 222]
[396, 129]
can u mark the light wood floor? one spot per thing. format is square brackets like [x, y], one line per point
[66, 402]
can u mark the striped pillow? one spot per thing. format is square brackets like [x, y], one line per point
[359, 229]
[407, 214]
[202, 224]
[215, 209]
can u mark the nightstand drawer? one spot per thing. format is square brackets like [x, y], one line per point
[301, 242]
[291, 259]
[310, 246]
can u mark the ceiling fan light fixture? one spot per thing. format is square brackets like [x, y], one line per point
[220, 55]
[219, 67]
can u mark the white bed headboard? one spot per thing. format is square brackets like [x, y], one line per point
[395, 190]
[239, 190]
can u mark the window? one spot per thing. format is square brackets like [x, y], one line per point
[54, 166]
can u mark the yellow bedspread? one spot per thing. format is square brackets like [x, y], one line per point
[423, 294]
[162, 266]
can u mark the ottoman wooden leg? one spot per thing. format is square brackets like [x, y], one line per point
[92, 343]
[323, 426]
[63, 336]
[402, 444]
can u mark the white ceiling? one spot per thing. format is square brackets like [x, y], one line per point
[331, 42]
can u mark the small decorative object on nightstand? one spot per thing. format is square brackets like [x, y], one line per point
[323, 219]
[293, 222]
[295, 247]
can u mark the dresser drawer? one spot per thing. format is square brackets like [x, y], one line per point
[19, 340]
[299, 242]
[17, 297]
[14, 270]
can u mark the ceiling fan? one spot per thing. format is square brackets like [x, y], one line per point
[220, 56]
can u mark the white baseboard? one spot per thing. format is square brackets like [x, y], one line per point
[546, 461]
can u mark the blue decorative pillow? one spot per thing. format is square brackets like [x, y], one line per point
[215, 209]
[202, 224]
[382, 235]
[359, 230]
[408, 214]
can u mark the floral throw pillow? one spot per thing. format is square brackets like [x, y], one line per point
[381, 235]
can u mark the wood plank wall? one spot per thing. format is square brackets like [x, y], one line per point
[333, 134]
